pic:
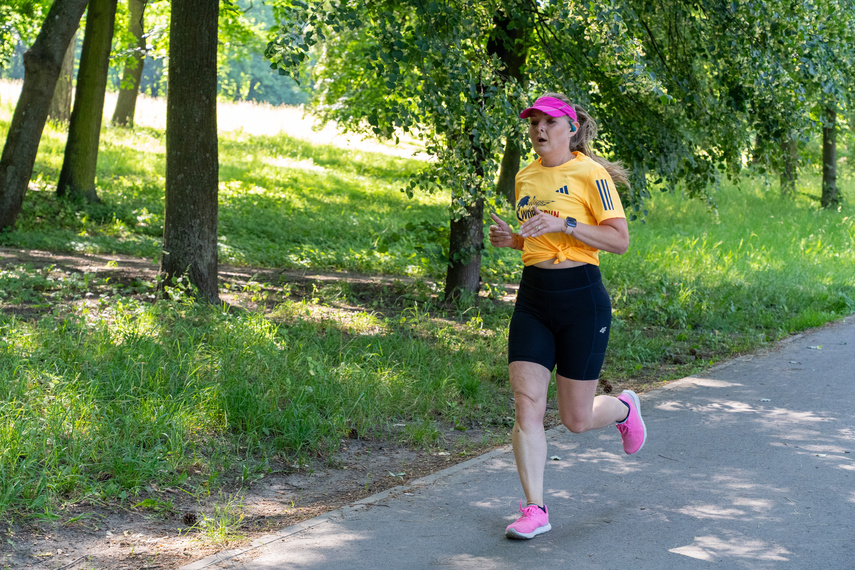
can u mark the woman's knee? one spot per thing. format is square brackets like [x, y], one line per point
[528, 410]
[575, 423]
[530, 383]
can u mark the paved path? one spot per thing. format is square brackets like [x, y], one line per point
[749, 465]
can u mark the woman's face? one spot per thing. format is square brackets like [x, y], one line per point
[550, 136]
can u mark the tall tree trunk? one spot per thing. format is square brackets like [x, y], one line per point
[830, 195]
[790, 159]
[60, 106]
[42, 64]
[77, 177]
[466, 243]
[190, 222]
[466, 240]
[506, 185]
[126, 104]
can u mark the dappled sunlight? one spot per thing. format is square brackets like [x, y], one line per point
[711, 512]
[729, 481]
[352, 321]
[783, 415]
[615, 463]
[717, 411]
[467, 561]
[250, 117]
[336, 539]
[713, 383]
[741, 507]
[287, 162]
[720, 548]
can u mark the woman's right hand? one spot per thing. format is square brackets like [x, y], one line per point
[501, 234]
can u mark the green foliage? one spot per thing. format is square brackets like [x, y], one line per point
[682, 93]
[409, 67]
[243, 73]
[19, 19]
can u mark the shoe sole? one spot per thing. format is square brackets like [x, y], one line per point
[515, 534]
[637, 404]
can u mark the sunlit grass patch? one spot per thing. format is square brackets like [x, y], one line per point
[283, 203]
[106, 399]
[697, 283]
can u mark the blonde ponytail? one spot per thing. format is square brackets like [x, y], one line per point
[587, 133]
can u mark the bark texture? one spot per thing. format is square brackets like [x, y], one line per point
[60, 106]
[126, 104]
[790, 160]
[77, 177]
[830, 195]
[192, 167]
[42, 63]
[506, 184]
[465, 247]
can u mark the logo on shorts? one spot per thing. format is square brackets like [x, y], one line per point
[603, 330]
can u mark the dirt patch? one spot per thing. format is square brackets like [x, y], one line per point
[111, 537]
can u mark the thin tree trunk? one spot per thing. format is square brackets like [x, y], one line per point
[42, 64]
[60, 106]
[466, 243]
[77, 177]
[466, 240]
[830, 195]
[190, 221]
[790, 158]
[126, 104]
[506, 185]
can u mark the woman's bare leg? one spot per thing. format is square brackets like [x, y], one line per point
[530, 383]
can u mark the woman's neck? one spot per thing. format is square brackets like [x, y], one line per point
[551, 161]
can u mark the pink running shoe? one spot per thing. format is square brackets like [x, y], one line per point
[632, 429]
[533, 521]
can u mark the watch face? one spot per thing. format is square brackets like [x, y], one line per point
[571, 222]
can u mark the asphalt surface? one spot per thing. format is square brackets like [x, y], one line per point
[749, 465]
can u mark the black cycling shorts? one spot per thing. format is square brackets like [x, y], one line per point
[561, 316]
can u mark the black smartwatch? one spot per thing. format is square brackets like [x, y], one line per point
[569, 223]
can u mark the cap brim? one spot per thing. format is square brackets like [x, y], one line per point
[551, 111]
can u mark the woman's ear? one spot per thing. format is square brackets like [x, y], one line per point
[574, 126]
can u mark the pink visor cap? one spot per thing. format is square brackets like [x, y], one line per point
[551, 106]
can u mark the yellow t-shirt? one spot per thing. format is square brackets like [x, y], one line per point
[580, 188]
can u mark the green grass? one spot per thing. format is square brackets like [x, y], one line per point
[105, 389]
[698, 284]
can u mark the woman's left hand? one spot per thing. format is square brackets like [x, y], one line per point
[541, 223]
